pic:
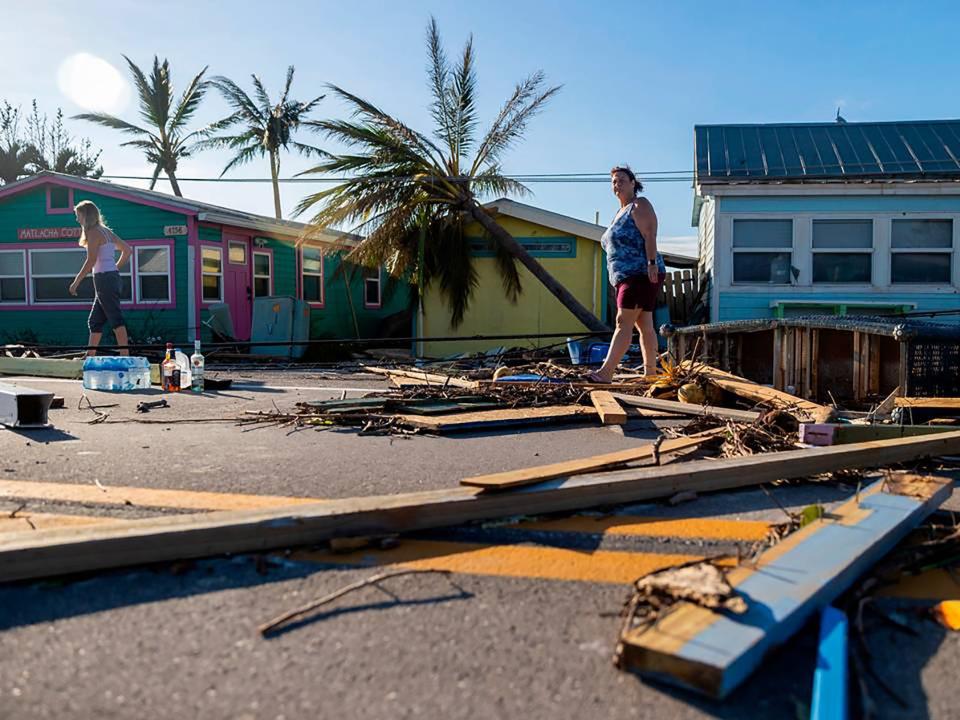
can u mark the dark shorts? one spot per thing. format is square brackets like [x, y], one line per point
[106, 304]
[638, 292]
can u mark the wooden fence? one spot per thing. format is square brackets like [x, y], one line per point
[679, 293]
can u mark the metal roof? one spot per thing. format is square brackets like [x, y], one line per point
[824, 152]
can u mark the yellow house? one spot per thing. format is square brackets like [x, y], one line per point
[569, 249]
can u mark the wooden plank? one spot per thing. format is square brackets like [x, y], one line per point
[829, 701]
[423, 376]
[943, 403]
[758, 393]
[42, 367]
[873, 366]
[857, 366]
[50, 552]
[713, 653]
[777, 379]
[823, 434]
[680, 408]
[528, 476]
[815, 364]
[493, 419]
[610, 411]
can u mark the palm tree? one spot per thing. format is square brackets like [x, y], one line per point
[266, 127]
[165, 141]
[15, 161]
[412, 197]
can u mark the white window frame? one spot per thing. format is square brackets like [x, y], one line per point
[379, 280]
[792, 250]
[24, 277]
[951, 252]
[803, 256]
[139, 274]
[256, 276]
[303, 273]
[73, 300]
[203, 273]
[845, 251]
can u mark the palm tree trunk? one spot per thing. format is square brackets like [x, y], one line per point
[537, 270]
[275, 177]
[174, 184]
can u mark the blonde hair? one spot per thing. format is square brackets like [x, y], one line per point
[88, 214]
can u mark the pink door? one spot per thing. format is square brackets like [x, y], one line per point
[238, 283]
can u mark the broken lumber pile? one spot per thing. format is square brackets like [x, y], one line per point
[711, 652]
[757, 393]
[70, 550]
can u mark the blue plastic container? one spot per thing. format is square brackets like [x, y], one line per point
[116, 373]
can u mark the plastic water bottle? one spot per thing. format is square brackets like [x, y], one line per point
[196, 366]
[116, 373]
[183, 362]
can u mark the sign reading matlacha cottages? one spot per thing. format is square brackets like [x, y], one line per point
[51, 233]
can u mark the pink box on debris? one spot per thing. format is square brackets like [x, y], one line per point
[817, 433]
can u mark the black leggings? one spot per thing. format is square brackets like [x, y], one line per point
[106, 304]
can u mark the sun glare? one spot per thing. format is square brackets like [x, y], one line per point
[93, 83]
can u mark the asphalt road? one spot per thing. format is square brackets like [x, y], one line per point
[179, 640]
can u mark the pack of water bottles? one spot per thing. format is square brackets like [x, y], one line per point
[116, 372]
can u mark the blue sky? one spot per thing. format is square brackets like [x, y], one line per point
[636, 76]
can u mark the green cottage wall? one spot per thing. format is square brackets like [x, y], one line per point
[131, 221]
[336, 318]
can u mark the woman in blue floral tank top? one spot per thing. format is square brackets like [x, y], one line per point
[637, 271]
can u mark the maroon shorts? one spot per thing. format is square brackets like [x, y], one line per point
[638, 292]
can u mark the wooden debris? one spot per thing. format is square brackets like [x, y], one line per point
[680, 408]
[68, 550]
[939, 403]
[757, 393]
[493, 419]
[41, 367]
[838, 434]
[610, 411]
[713, 653]
[423, 376]
[529, 476]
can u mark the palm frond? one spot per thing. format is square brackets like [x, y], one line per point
[112, 122]
[286, 87]
[525, 102]
[244, 108]
[438, 71]
[189, 101]
[266, 107]
[463, 96]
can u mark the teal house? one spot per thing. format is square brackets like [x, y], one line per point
[189, 258]
[828, 218]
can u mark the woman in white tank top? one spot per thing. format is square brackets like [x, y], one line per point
[101, 244]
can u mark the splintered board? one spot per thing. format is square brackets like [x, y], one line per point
[423, 377]
[680, 408]
[610, 411]
[529, 476]
[752, 391]
[712, 652]
[494, 419]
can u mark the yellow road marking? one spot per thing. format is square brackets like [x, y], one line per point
[599, 566]
[150, 497]
[707, 528]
